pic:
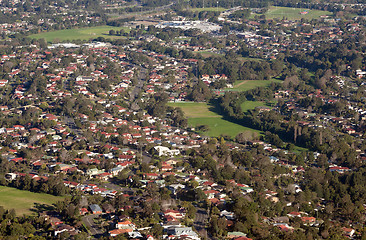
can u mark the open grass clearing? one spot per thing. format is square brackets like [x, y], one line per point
[196, 110]
[24, 201]
[79, 33]
[298, 149]
[245, 59]
[209, 9]
[199, 114]
[294, 13]
[219, 126]
[249, 105]
[245, 85]
[207, 54]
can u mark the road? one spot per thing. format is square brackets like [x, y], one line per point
[71, 124]
[200, 222]
[135, 92]
[95, 230]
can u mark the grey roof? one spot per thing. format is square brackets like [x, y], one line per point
[95, 208]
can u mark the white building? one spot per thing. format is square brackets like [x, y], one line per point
[165, 151]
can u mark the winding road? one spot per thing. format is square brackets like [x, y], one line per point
[94, 229]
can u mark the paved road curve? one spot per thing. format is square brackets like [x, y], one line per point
[94, 229]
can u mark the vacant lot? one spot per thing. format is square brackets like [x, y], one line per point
[245, 85]
[203, 114]
[294, 13]
[79, 34]
[24, 201]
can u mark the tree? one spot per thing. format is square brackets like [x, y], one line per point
[191, 211]
[112, 32]
[200, 92]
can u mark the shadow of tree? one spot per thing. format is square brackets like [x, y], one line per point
[41, 207]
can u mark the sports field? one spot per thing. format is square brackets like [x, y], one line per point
[294, 13]
[245, 85]
[203, 114]
[24, 201]
[79, 33]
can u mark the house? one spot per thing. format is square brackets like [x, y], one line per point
[149, 237]
[284, 227]
[125, 225]
[174, 213]
[294, 214]
[165, 151]
[234, 235]
[308, 220]
[83, 211]
[151, 175]
[117, 232]
[95, 209]
[60, 228]
[360, 73]
[134, 235]
[116, 170]
[348, 231]
[10, 176]
[104, 176]
[183, 231]
[175, 187]
[227, 215]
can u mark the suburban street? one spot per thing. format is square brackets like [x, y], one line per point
[200, 222]
[94, 229]
[137, 89]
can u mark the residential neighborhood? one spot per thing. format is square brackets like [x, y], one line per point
[182, 121]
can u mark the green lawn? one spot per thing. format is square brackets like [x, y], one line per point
[24, 201]
[298, 149]
[79, 33]
[196, 110]
[245, 85]
[248, 105]
[203, 114]
[219, 126]
[207, 54]
[245, 59]
[210, 9]
[294, 13]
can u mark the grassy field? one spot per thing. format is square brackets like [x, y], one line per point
[196, 110]
[294, 13]
[207, 54]
[210, 9]
[78, 33]
[245, 59]
[204, 114]
[23, 201]
[245, 85]
[298, 149]
[248, 105]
